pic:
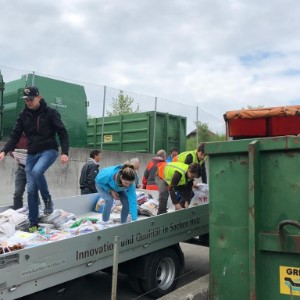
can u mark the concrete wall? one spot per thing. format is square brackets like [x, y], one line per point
[63, 180]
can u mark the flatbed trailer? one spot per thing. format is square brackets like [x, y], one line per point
[144, 246]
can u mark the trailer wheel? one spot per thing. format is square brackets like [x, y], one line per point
[135, 284]
[162, 273]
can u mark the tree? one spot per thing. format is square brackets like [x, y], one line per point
[204, 135]
[122, 105]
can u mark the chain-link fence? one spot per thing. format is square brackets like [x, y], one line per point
[92, 115]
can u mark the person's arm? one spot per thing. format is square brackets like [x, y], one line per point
[174, 183]
[187, 191]
[189, 159]
[203, 173]
[91, 176]
[145, 177]
[62, 135]
[137, 181]
[131, 194]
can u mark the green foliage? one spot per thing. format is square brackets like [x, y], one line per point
[204, 135]
[122, 105]
[191, 143]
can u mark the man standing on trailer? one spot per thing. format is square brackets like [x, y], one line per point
[40, 123]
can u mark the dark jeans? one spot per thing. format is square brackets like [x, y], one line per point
[85, 191]
[20, 183]
[179, 196]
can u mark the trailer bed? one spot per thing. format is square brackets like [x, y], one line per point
[29, 270]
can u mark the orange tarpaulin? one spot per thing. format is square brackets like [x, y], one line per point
[263, 112]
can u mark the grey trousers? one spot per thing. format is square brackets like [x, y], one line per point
[163, 195]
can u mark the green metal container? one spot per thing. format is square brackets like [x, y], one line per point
[67, 98]
[254, 193]
[145, 132]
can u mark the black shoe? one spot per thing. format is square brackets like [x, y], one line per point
[48, 206]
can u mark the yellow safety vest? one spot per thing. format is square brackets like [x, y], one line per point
[182, 157]
[167, 171]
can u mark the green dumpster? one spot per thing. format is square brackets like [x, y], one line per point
[138, 132]
[254, 188]
[67, 98]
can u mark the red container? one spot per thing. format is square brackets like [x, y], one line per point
[247, 127]
[285, 125]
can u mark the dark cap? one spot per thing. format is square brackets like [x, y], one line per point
[30, 92]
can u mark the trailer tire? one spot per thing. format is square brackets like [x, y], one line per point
[136, 285]
[163, 269]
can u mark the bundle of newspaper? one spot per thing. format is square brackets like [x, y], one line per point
[9, 221]
[149, 208]
[58, 218]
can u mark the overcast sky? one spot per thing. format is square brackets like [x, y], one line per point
[217, 54]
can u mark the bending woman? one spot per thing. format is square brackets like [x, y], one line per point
[118, 182]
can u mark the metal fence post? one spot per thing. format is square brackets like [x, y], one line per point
[103, 114]
[2, 86]
[197, 127]
[32, 81]
[154, 126]
[115, 269]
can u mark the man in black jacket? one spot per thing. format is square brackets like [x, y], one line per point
[89, 172]
[40, 124]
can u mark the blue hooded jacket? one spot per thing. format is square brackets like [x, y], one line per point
[106, 181]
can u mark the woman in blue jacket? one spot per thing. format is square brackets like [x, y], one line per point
[118, 182]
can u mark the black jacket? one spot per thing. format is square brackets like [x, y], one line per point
[40, 127]
[88, 174]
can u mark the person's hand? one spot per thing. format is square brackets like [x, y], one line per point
[177, 206]
[115, 195]
[2, 154]
[195, 185]
[64, 158]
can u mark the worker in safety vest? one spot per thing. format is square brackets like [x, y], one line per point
[195, 156]
[148, 180]
[172, 177]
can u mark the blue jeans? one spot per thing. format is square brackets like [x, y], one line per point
[36, 166]
[109, 203]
